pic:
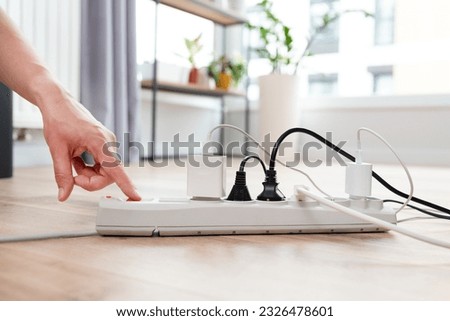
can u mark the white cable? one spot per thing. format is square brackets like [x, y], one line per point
[265, 151]
[373, 220]
[416, 218]
[411, 184]
[46, 236]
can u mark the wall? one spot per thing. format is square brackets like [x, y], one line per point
[416, 126]
[177, 114]
[52, 27]
[422, 29]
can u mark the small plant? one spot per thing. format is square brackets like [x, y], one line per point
[193, 47]
[276, 38]
[224, 70]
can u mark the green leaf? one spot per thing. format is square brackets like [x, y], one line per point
[271, 16]
[288, 40]
[325, 19]
[263, 52]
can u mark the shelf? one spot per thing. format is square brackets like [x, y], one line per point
[207, 10]
[190, 89]
[213, 12]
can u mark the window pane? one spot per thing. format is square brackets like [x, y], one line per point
[173, 26]
[383, 84]
[327, 40]
[323, 85]
[412, 37]
[384, 22]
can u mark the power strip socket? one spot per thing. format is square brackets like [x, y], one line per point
[171, 217]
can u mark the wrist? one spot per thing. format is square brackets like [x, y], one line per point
[46, 92]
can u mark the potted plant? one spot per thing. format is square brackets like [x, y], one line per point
[278, 43]
[193, 47]
[279, 91]
[226, 72]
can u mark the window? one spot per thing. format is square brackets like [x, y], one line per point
[323, 85]
[411, 37]
[383, 84]
[326, 41]
[384, 22]
[173, 26]
[383, 80]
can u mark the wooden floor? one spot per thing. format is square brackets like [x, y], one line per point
[382, 266]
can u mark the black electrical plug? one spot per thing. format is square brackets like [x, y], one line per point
[239, 192]
[270, 192]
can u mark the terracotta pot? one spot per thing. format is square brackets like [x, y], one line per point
[193, 76]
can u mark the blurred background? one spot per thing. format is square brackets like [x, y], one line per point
[383, 64]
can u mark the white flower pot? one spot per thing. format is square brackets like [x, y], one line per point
[279, 104]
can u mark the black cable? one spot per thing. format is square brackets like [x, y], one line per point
[419, 209]
[309, 132]
[246, 159]
[352, 158]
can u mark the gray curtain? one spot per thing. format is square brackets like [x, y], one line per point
[109, 87]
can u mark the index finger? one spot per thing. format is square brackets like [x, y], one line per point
[114, 169]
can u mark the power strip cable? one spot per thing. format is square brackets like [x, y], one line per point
[46, 236]
[303, 193]
[267, 153]
[351, 158]
[359, 160]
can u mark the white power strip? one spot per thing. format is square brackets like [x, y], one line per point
[169, 217]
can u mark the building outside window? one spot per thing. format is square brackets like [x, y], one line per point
[323, 85]
[383, 80]
[383, 84]
[328, 40]
[410, 36]
[384, 22]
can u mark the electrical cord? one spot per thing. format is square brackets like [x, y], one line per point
[418, 218]
[239, 192]
[267, 153]
[359, 160]
[47, 236]
[351, 158]
[244, 161]
[445, 217]
[247, 158]
[302, 193]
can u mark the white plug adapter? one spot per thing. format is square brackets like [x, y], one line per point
[206, 176]
[358, 180]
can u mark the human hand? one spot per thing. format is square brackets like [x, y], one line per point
[70, 130]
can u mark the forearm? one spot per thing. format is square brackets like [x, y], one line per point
[22, 71]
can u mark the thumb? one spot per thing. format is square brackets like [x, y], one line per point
[63, 174]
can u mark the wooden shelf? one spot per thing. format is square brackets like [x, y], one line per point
[190, 89]
[207, 10]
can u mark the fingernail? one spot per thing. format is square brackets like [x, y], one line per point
[60, 193]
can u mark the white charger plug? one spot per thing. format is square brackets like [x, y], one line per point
[358, 180]
[206, 176]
